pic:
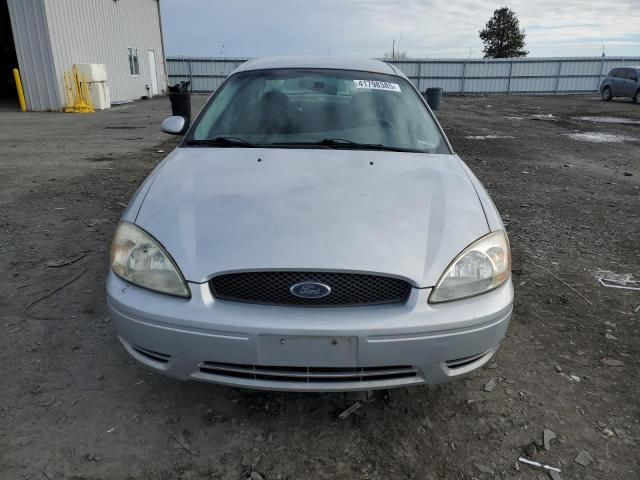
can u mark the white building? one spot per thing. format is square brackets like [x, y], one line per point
[50, 36]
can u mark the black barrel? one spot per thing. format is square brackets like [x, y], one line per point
[180, 99]
[181, 104]
[434, 97]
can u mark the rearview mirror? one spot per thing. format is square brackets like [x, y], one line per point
[174, 125]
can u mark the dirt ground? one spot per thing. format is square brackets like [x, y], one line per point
[73, 404]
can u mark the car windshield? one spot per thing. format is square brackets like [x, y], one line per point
[315, 108]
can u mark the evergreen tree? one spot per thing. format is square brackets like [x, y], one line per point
[502, 36]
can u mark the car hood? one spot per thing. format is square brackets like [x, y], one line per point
[220, 210]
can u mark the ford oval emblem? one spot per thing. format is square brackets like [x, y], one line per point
[310, 290]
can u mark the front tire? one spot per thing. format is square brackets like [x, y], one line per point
[606, 94]
[636, 99]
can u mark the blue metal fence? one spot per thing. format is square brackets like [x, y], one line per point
[570, 75]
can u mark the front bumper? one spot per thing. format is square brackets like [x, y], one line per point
[308, 349]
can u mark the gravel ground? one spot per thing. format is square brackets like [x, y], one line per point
[75, 406]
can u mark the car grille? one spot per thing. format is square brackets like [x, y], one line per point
[308, 374]
[272, 288]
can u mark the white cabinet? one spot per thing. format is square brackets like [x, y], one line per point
[92, 72]
[95, 74]
[99, 94]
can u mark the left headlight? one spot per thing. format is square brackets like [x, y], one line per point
[138, 258]
[482, 266]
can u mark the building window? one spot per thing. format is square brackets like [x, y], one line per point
[134, 66]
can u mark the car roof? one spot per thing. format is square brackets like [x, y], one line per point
[328, 62]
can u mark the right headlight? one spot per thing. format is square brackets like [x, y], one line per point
[139, 259]
[482, 266]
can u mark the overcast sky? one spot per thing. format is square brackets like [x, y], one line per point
[424, 28]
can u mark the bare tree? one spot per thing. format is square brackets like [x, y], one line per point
[396, 55]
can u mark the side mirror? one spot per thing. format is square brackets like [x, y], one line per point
[174, 125]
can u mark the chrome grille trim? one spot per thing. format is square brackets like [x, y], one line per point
[307, 374]
[155, 356]
[463, 362]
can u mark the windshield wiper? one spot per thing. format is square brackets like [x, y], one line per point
[222, 142]
[342, 143]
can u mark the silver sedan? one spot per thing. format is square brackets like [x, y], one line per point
[313, 231]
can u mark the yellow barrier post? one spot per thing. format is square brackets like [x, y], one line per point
[16, 76]
[77, 93]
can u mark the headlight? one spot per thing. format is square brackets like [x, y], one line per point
[139, 259]
[482, 266]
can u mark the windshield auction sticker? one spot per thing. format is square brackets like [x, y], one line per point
[376, 85]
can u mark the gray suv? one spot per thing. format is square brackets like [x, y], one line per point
[621, 82]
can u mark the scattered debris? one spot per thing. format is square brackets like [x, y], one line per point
[612, 362]
[50, 402]
[620, 433]
[182, 441]
[349, 410]
[36, 389]
[64, 262]
[52, 292]
[575, 378]
[366, 396]
[554, 475]
[558, 369]
[561, 281]
[90, 457]
[564, 375]
[547, 436]
[617, 280]
[210, 417]
[111, 430]
[256, 476]
[608, 336]
[484, 469]
[531, 450]
[583, 458]
[608, 432]
[491, 385]
[538, 464]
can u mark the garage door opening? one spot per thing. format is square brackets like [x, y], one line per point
[8, 61]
